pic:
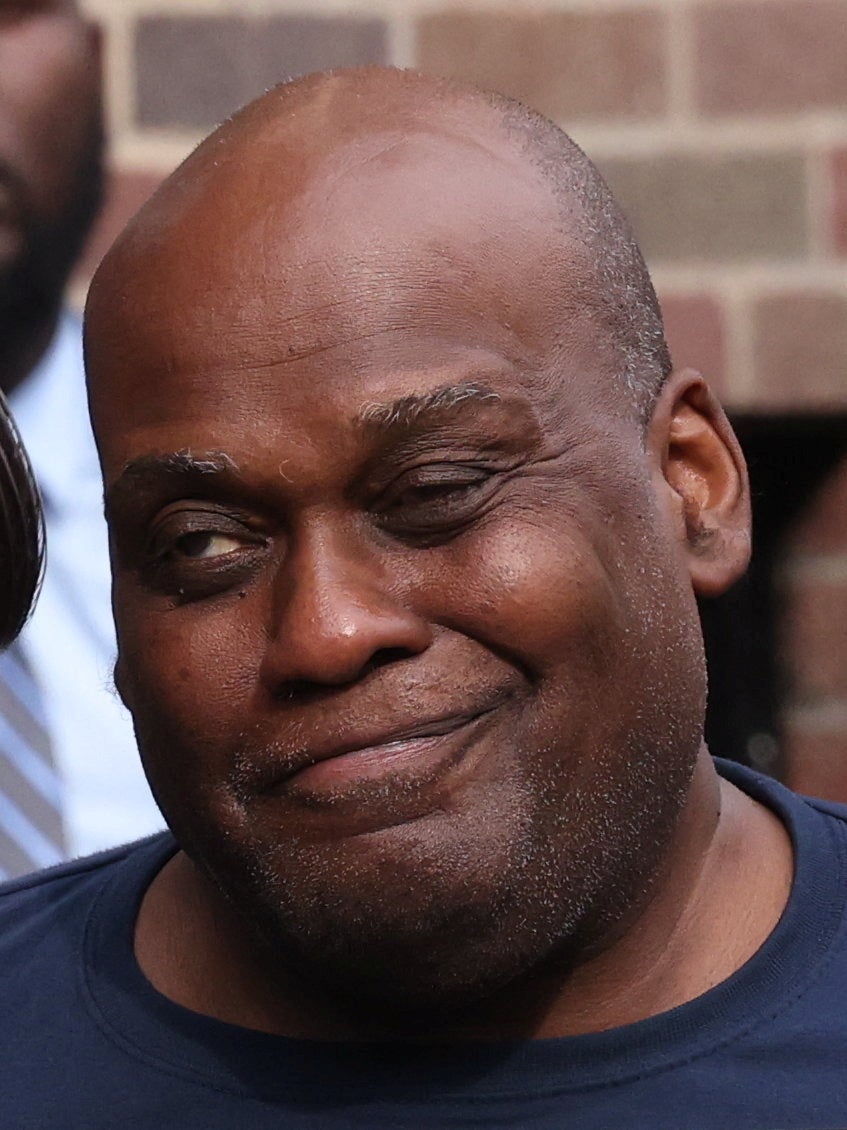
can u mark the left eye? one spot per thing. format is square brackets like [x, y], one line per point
[425, 494]
[205, 544]
[436, 500]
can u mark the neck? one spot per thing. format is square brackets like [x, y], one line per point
[721, 893]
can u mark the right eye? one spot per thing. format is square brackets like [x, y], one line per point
[194, 553]
[205, 545]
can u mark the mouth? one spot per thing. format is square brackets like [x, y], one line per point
[415, 750]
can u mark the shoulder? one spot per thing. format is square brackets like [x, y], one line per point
[51, 1000]
[782, 800]
[830, 808]
[65, 892]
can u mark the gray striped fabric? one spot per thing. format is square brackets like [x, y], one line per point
[31, 834]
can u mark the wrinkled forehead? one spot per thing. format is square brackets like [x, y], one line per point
[387, 198]
[390, 249]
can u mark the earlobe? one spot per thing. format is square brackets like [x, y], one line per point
[703, 477]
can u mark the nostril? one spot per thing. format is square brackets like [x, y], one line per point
[307, 690]
[386, 656]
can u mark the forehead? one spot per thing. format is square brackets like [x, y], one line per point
[392, 265]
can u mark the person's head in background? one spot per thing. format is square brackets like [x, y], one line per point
[21, 532]
[51, 167]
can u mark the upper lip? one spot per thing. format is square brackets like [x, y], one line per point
[296, 760]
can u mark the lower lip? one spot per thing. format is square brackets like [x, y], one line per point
[419, 755]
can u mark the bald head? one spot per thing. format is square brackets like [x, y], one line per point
[298, 150]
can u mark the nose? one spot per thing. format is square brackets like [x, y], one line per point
[336, 615]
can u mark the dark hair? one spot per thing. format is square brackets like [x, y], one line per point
[21, 531]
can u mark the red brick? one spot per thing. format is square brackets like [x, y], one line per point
[192, 71]
[571, 66]
[800, 344]
[838, 168]
[286, 46]
[815, 638]
[817, 764]
[770, 56]
[823, 527]
[695, 333]
[714, 207]
[125, 193]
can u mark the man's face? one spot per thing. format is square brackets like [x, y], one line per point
[412, 659]
[50, 151]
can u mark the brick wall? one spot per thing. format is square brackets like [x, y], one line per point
[721, 125]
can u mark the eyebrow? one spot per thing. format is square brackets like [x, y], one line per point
[408, 411]
[400, 415]
[180, 466]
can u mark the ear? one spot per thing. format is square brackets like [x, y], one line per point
[701, 479]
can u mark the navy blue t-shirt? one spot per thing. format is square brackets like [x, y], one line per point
[87, 1043]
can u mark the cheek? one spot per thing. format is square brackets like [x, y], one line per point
[594, 613]
[538, 593]
[187, 673]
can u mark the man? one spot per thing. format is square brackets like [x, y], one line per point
[51, 145]
[408, 515]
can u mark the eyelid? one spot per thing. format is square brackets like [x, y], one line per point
[196, 519]
[440, 518]
[442, 473]
[445, 472]
[186, 579]
[389, 471]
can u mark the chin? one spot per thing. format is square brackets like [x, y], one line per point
[413, 931]
[402, 970]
